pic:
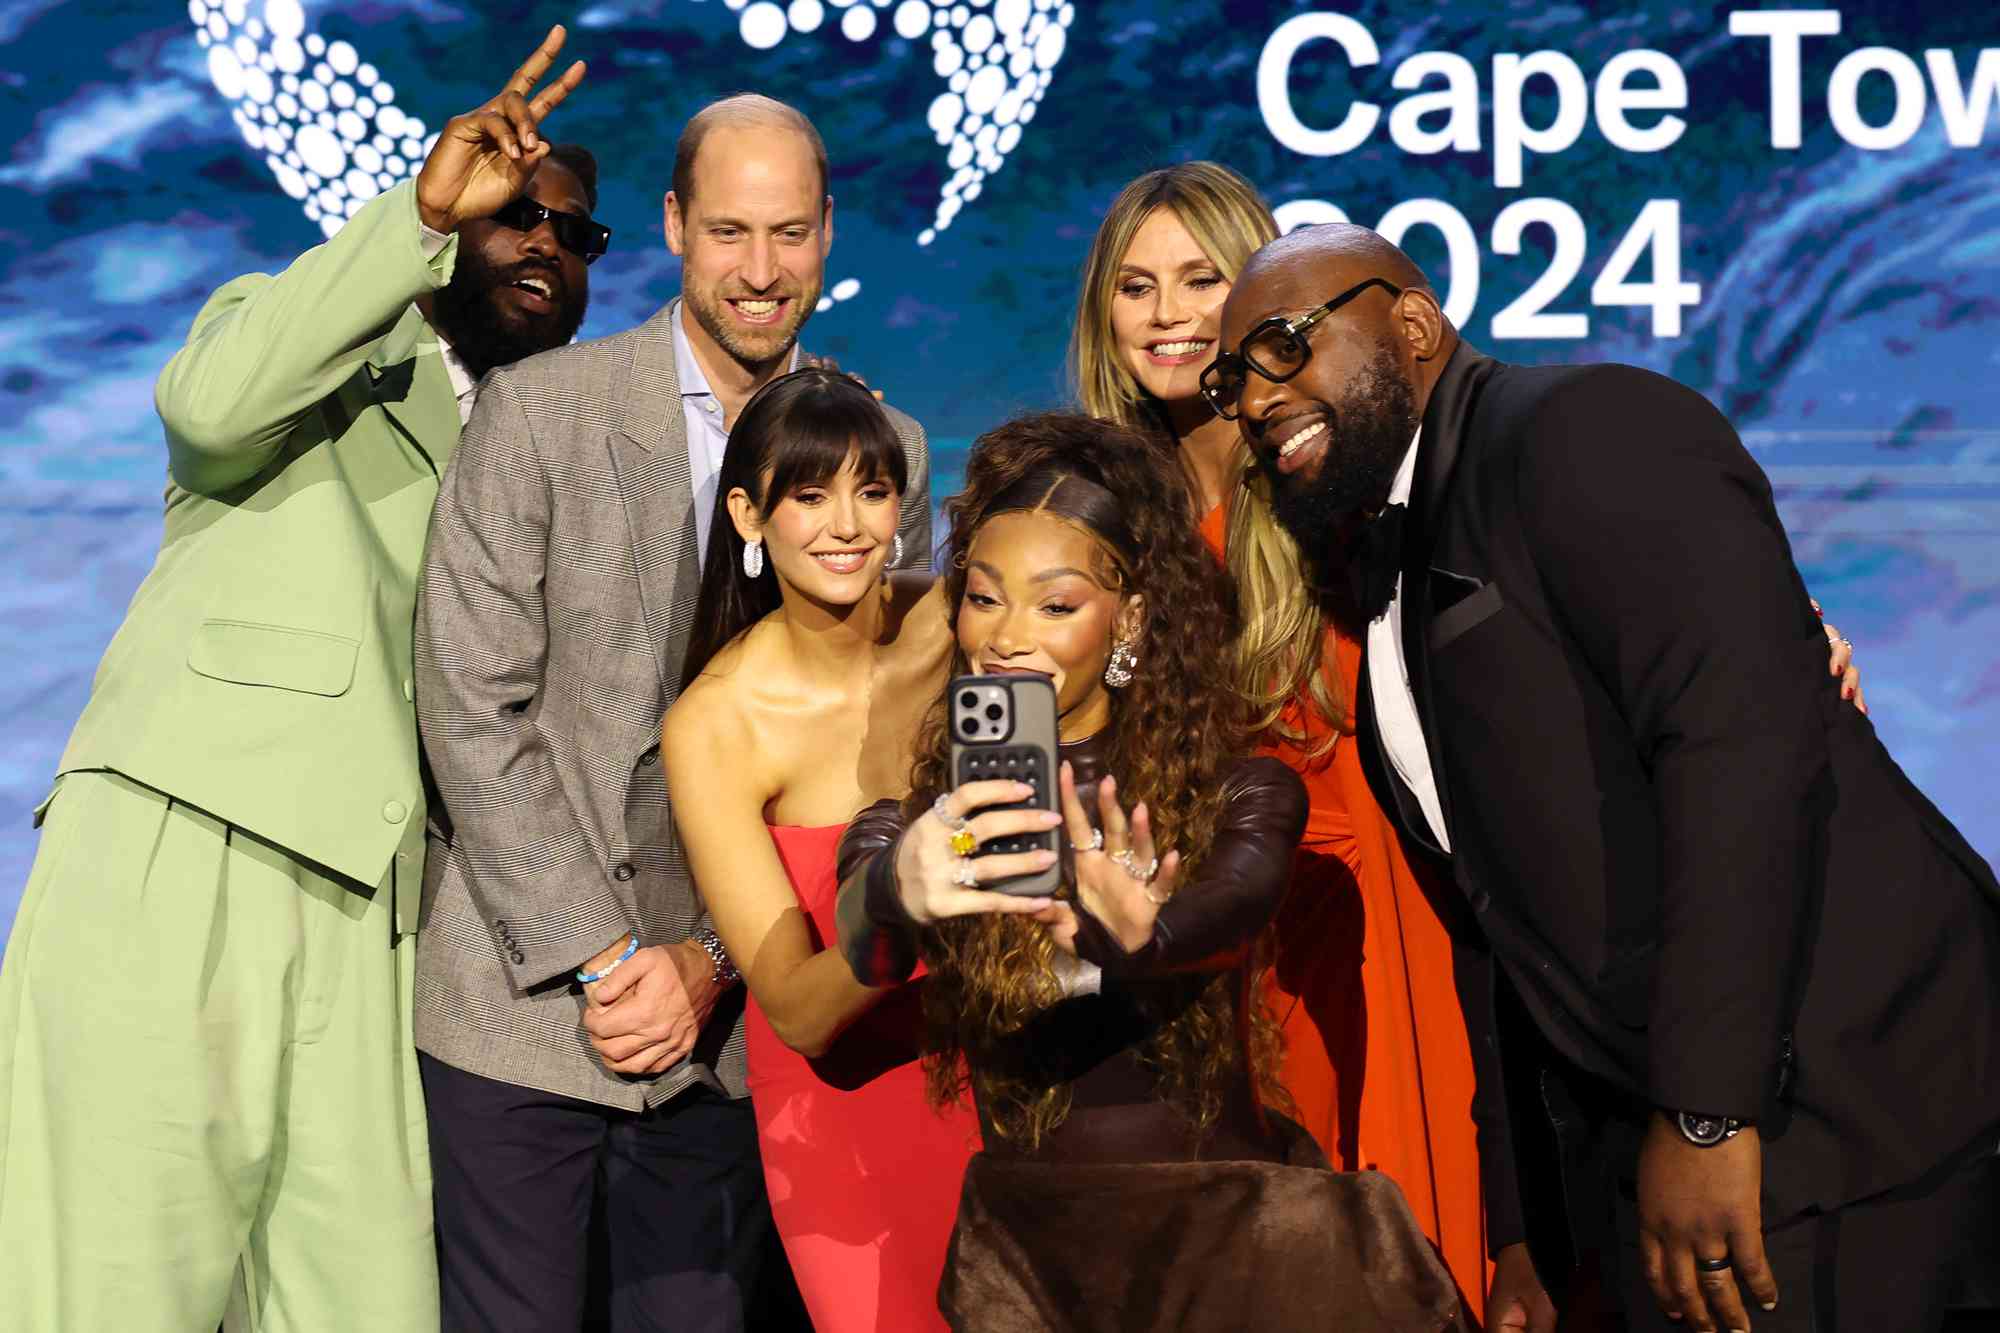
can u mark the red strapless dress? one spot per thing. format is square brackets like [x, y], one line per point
[863, 1174]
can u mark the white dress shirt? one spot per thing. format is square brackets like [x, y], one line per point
[1389, 682]
[707, 435]
[463, 386]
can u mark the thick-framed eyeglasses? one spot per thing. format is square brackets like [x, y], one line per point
[578, 233]
[1276, 349]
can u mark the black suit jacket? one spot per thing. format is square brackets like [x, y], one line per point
[1704, 876]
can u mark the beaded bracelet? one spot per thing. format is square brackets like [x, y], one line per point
[586, 978]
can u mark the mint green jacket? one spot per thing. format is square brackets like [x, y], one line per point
[262, 672]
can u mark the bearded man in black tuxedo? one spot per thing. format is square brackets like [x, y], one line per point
[1732, 981]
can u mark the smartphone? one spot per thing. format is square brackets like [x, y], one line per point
[1004, 727]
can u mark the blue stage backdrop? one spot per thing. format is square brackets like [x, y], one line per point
[1791, 210]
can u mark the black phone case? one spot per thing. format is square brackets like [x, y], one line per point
[1027, 754]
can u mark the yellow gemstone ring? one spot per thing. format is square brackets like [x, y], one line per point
[964, 843]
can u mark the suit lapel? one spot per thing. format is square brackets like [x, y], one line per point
[649, 460]
[407, 379]
[1380, 771]
[1450, 407]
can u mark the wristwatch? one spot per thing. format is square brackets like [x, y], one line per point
[725, 973]
[1705, 1131]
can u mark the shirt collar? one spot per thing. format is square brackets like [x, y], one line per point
[1406, 475]
[462, 381]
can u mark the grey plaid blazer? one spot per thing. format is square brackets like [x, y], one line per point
[556, 603]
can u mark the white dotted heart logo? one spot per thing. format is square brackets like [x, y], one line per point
[995, 56]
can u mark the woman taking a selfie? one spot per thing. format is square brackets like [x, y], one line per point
[1108, 1037]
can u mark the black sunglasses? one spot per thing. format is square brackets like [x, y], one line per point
[577, 233]
[1276, 349]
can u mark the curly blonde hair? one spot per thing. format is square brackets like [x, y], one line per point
[992, 975]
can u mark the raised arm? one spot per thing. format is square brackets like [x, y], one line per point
[806, 993]
[264, 350]
[1213, 914]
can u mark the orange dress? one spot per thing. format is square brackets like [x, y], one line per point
[1376, 1055]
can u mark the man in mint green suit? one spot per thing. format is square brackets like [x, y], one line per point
[209, 1101]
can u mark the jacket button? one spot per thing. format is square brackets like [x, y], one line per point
[409, 691]
[649, 756]
[516, 956]
[622, 871]
[395, 812]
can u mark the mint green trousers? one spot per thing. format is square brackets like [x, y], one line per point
[209, 1102]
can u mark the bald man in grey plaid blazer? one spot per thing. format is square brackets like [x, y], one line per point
[558, 595]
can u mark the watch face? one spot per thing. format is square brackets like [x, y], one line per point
[1705, 1130]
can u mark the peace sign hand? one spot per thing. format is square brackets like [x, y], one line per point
[1118, 881]
[482, 160]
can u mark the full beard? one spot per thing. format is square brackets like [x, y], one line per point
[758, 348]
[1371, 431]
[485, 333]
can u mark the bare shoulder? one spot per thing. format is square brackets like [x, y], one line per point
[909, 588]
[918, 628]
[714, 710]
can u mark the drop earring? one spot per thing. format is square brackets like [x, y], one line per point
[1124, 660]
[753, 558]
[896, 550]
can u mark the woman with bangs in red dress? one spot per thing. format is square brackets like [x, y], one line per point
[805, 679]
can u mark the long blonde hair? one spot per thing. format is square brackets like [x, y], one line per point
[1276, 658]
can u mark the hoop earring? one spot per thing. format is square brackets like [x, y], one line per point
[753, 558]
[896, 550]
[1124, 661]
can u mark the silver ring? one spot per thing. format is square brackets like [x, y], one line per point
[964, 873]
[941, 807]
[1096, 843]
[1844, 641]
[1130, 861]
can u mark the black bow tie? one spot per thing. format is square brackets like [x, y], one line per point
[1375, 560]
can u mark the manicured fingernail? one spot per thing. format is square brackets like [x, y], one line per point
[1847, 691]
[1863, 708]
[1045, 857]
[1770, 1305]
[1051, 818]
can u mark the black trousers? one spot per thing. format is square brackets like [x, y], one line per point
[523, 1179]
[1897, 1261]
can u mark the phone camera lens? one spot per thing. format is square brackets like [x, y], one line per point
[968, 700]
[969, 725]
[994, 712]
